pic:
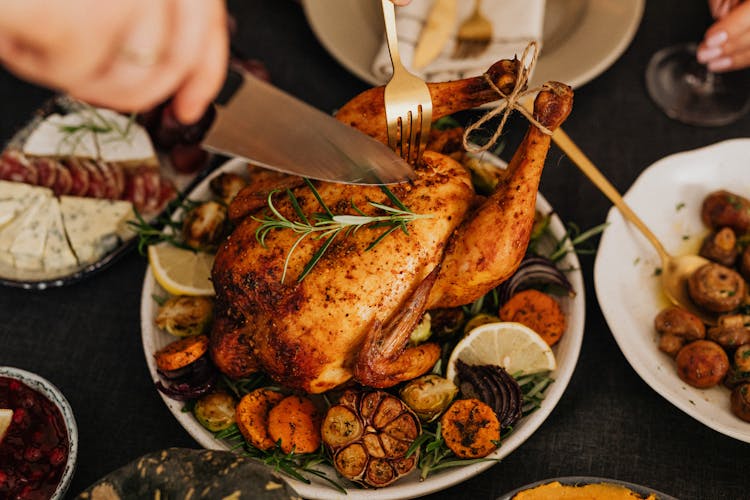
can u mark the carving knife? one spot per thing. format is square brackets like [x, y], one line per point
[438, 28]
[268, 127]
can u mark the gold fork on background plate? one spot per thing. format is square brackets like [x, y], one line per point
[474, 35]
[408, 104]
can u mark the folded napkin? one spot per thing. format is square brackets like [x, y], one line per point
[514, 24]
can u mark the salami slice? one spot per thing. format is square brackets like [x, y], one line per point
[135, 190]
[97, 186]
[152, 181]
[113, 187]
[167, 194]
[80, 176]
[64, 180]
[47, 171]
[18, 168]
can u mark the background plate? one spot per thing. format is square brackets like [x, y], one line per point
[582, 38]
[566, 353]
[668, 197]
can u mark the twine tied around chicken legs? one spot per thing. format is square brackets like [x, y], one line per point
[508, 103]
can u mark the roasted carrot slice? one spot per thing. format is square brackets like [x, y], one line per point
[537, 310]
[180, 353]
[470, 428]
[295, 422]
[252, 416]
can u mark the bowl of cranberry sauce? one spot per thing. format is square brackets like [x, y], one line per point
[38, 437]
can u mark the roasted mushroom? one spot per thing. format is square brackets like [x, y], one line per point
[205, 226]
[740, 401]
[716, 288]
[731, 330]
[184, 316]
[226, 186]
[702, 364]
[677, 327]
[721, 247]
[725, 209]
[744, 263]
[368, 434]
[742, 358]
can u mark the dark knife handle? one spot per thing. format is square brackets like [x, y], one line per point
[232, 83]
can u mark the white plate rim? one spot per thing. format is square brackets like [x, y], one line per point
[566, 63]
[658, 369]
[568, 348]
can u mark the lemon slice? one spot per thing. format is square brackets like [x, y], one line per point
[6, 416]
[514, 346]
[180, 271]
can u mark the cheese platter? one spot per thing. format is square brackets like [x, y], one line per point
[73, 180]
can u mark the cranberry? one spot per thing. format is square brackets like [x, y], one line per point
[32, 454]
[27, 401]
[18, 416]
[34, 451]
[57, 456]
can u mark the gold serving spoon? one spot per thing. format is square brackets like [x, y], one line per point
[675, 270]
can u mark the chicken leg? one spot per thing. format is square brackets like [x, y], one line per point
[489, 245]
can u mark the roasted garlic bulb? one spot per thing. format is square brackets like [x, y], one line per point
[368, 434]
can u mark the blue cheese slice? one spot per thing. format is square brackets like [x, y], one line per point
[8, 211]
[17, 190]
[94, 225]
[57, 251]
[28, 246]
[33, 204]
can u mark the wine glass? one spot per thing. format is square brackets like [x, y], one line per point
[687, 91]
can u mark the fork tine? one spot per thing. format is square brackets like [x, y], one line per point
[408, 103]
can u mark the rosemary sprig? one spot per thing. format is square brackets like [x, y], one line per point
[327, 226]
[574, 240]
[436, 455]
[294, 465]
[164, 228]
[93, 123]
[533, 387]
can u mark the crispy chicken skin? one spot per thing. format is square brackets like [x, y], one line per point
[306, 335]
[352, 315]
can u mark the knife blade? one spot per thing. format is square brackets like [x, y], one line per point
[268, 127]
[438, 27]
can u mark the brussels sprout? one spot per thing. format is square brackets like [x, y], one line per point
[485, 175]
[447, 321]
[184, 316]
[429, 395]
[422, 331]
[205, 226]
[479, 320]
[215, 411]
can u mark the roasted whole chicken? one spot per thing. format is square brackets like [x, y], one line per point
[352, 315]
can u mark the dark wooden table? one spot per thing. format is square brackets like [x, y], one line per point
[609, 423]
